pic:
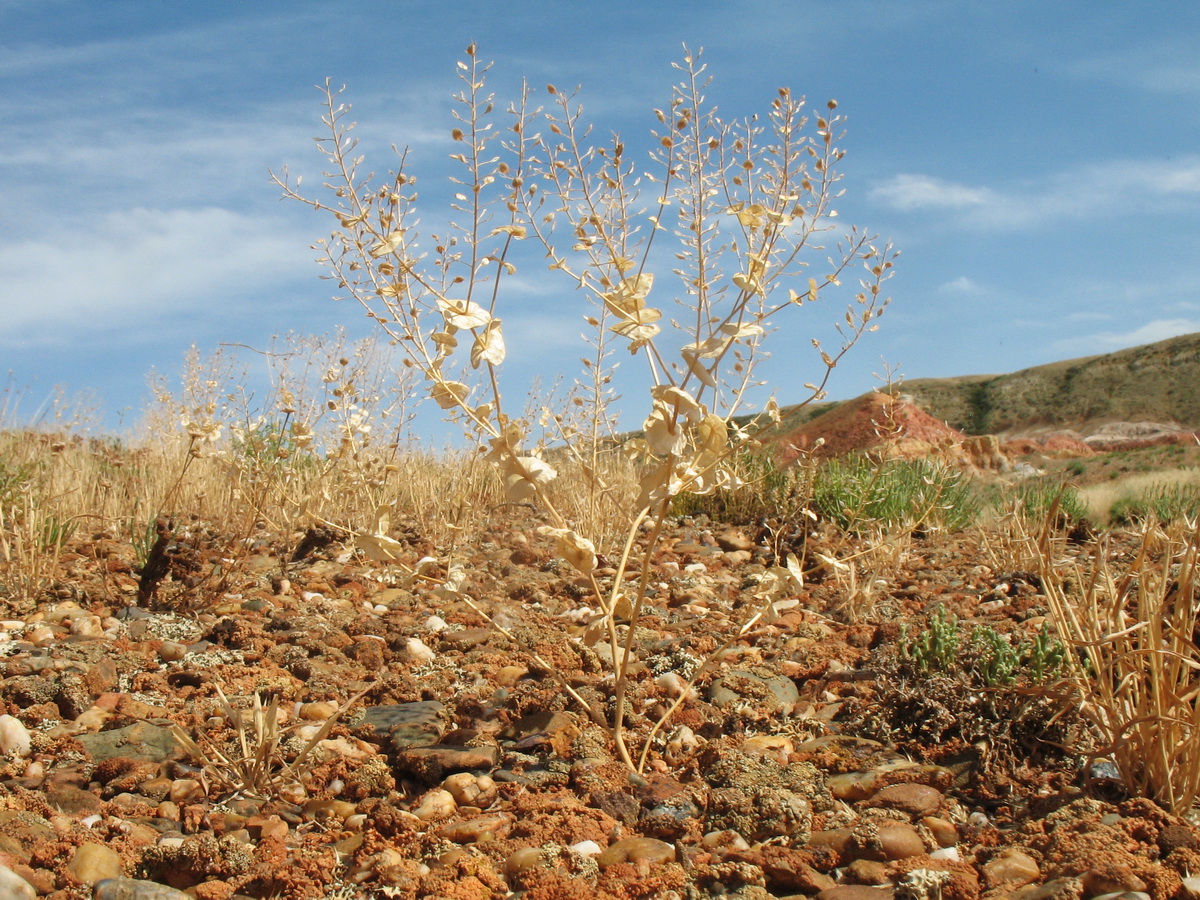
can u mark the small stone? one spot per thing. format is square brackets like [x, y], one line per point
[507, 676]
[95, 862]
[15, 739]
[172, 651]
[437, 804]
[432, 764]
[418, 651]
[649, 851]
[1056, 889]
[774, 693]
[318, 711]
[132, 889]
[14, 887]
[868, 871]
[913, 799]
[406, 724]
[469, 789]
[481, 828]
[855, 892]
[1110, 878]
[886, 842]
[838, 840]
[1010, 867]
[524, 860]
[138, 741]
[185, 790]
[943, 831]
[87, 626]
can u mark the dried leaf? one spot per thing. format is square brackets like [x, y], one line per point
[388, 244]
[449, 394]
[463, 313]
[578, 551]
[488, 346]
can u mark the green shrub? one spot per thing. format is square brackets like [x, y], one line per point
[1164, 502]
[861, 495]
[1034, 499]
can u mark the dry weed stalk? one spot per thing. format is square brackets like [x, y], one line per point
[1137, 665]
[744, 204]
[257, 767]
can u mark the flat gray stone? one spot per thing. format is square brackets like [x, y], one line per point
[406, 724]
[133, 889]
[138, 741]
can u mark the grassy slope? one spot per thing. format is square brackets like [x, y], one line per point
[1153, 383]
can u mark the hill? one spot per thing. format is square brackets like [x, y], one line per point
[1157, 382]
[1154, 382]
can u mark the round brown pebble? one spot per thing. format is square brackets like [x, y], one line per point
[636, 849]
[913, 799]
[1010, 867]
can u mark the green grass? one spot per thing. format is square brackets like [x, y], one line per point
[861, 495]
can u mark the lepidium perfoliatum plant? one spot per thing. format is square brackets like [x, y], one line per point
[687, 262]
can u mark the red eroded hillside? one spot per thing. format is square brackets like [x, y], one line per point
[869, 421]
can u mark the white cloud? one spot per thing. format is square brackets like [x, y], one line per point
[910, 191]
[142, 265]
[961, 285]
[1073, 194]
[1108, 341]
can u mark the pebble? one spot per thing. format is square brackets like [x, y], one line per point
[775, 693]
[914, 799]
[432, 764]
[417, 650]
[889, 841]
[469, 789]
[1191, 887]
[138, 741]
[855, 892]
[481, 828]
[868, 871]
[1010, 867]
[95, 862]
[523, 860]
[944, 831]
[132, 889]
[15, 739]
[1110, 878]
[14, 887]
[437, 804]
[650, 851]
[406, 724]
[318, 711]
[172, 651]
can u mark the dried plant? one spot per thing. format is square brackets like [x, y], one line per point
[745, 206]
[256, 765]
[1136, 662]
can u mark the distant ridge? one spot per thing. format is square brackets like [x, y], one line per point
[1157, 382]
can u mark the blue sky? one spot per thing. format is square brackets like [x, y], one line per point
[1037, 163]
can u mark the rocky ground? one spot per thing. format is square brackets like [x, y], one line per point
[429, 755]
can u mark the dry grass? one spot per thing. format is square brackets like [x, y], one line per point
[255, 763]
[1102, 498]
[1131, 617]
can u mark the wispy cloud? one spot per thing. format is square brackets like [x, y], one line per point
[1107, 341]
[1066, 195]
[961, 285]
[141, 265]
[910, 191]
